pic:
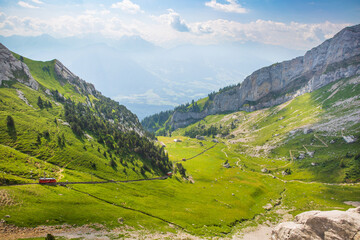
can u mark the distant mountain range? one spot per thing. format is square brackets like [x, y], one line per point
[146, 78]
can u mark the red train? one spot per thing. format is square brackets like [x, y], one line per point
[47, 180]
[169, 173]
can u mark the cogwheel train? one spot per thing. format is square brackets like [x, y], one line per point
[47, 180]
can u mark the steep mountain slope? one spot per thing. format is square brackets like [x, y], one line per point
[317, 132]
[51, 120]
[334, 59]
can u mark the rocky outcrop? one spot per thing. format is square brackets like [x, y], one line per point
[12, 69]
[336, 58]
[321, 225]
[64, 75]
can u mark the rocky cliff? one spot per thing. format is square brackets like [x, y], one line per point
[12, 69]
[65, 75]
[336, 58]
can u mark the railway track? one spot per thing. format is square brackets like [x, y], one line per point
[94, 182]
[186, 159]
[111, 181]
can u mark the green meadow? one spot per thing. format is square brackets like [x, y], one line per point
[265, 172]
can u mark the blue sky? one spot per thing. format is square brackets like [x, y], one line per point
[296, 24]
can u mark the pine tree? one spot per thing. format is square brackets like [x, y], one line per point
[40, 103]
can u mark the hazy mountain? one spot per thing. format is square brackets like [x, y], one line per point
[148, 78]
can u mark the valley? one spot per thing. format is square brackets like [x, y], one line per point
[211, 177]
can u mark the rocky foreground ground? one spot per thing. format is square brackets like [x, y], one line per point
[321, 225]
[314, 225]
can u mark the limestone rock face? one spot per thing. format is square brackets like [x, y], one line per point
[321, 225]
[13, 69]
[65, 75]
[336, 58]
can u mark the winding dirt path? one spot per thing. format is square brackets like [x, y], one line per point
[292, 158]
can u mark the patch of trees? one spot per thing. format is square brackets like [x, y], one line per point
[202, 131]
[57, 96]
[155, 122]
[227, 88]
[43, 104]
[181, 169]
[96, 121]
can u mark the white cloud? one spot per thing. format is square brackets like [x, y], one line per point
[96, 12]
[26, 5]
[293, 35]
[37, 1]
[232, 6]
[173, 19]
[170, 29]
[127, 6]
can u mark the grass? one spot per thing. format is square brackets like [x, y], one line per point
[218, 199]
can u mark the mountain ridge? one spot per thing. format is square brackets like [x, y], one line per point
[334, 59]
[53, 116]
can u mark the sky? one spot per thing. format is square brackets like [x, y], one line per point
[152, 55]
[295, 24]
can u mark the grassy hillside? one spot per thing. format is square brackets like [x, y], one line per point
[278, 132]
[238, 182]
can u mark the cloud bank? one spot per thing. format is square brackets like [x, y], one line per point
[127, 6]
[170, 29]
[232, 6]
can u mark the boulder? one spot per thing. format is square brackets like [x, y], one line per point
[349, 139]
[226, 165]
[308, 130]
[311, 154]
[320, 225]
[200, 137]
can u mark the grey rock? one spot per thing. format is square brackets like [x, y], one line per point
[13, 69]
[311, 154]
[334, 59]
[47, 91]
[308, 130]
[349, 139]
[324, 225]
[226, 165]
[64, 76]
[268, 206]
[200, 137]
